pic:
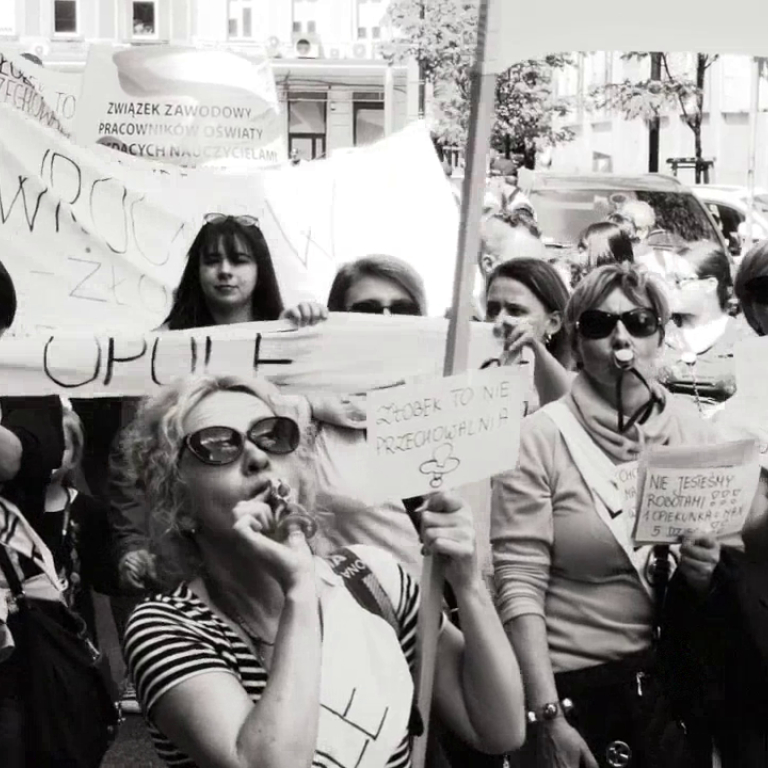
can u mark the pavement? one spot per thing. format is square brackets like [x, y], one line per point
[133, 748]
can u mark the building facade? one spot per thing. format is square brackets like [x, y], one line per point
[605, 141]
[335, 88]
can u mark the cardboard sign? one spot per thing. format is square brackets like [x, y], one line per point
[702, 490]
[444, 433]
[181, 105]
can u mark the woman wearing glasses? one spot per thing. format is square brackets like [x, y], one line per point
[697, 356]
[378, 284]
[259, 652]
[573, 593]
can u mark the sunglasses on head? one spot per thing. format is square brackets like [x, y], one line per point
[640, 323]
[757, 288]
[224, 445]
[243, 221]
[373, 307]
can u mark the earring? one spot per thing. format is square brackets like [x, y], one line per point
[186, 527]
[547, 339]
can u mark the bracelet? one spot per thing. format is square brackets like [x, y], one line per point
[549, 711]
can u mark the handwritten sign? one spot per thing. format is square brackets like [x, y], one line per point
[444, 433]
[342, 355]
[181, 105]
[45, 95]
[712, 495]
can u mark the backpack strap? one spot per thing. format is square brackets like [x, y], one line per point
[364, 586]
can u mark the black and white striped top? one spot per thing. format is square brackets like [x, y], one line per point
[173, 637]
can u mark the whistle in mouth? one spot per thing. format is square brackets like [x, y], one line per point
[289, 514]
[623, 358]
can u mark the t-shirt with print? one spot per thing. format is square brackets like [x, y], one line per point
[174, 637]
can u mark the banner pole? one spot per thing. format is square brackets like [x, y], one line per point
[483, 94]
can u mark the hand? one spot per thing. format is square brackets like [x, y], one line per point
[306, 313]
[699, 556]
[516, 334]
[136, 569]
[560, 745]
[290, 562]
[447, 530]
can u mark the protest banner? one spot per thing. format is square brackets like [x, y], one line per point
[181, 105]
[48, 96]
[97, 240]
[441, 434]
[347, 353]
[702, 490]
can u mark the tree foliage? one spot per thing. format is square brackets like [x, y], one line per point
[441, 36]
[680, 87]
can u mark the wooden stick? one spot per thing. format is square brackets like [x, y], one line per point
[483, 95]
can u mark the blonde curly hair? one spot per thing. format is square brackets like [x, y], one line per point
[147, 463]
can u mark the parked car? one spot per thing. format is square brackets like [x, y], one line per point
[729, 206]
[566, 203]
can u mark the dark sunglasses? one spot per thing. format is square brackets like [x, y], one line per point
[373, 307]
[243, 221]
[224, 445]
[757, 288]
[640, 323]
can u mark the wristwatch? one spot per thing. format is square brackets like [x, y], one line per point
[549, 711]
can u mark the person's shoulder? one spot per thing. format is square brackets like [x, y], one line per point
[738, 329]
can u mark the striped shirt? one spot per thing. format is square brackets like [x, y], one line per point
[174, 637]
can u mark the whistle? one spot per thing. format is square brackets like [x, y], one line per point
[623, 358]
[288, 514]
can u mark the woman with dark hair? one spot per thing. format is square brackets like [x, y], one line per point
[697, 358]
[378, 284]
[229, 277]
[526, 301]
[751, 287]
[604, 243]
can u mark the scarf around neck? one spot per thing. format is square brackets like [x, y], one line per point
[600, 419]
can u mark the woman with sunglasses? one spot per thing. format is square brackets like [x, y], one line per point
[697, 356]
[378, 285]
[261, 653]
[573, 593]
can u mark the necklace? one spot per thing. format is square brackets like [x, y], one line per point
[690, 358]
[228, 610]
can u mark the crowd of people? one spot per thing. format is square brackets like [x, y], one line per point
[218, 517]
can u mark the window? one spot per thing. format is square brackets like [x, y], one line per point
[144, 19]
[241, 19]
[376, 33]
[362, 33]
[368, 112]
[370, 18]
[297, 26]
[7, 19]
[311, 27]
[307, 121]
[304, 16]
[65, 17]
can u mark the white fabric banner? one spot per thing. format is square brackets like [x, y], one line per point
[97, 239]
[346, 354]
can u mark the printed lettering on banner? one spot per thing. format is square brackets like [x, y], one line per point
[181, 105]
[444, 433]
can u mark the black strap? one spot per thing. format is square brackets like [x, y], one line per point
[363, 585]
[11, 577]
[643, 412]
[660, 581]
